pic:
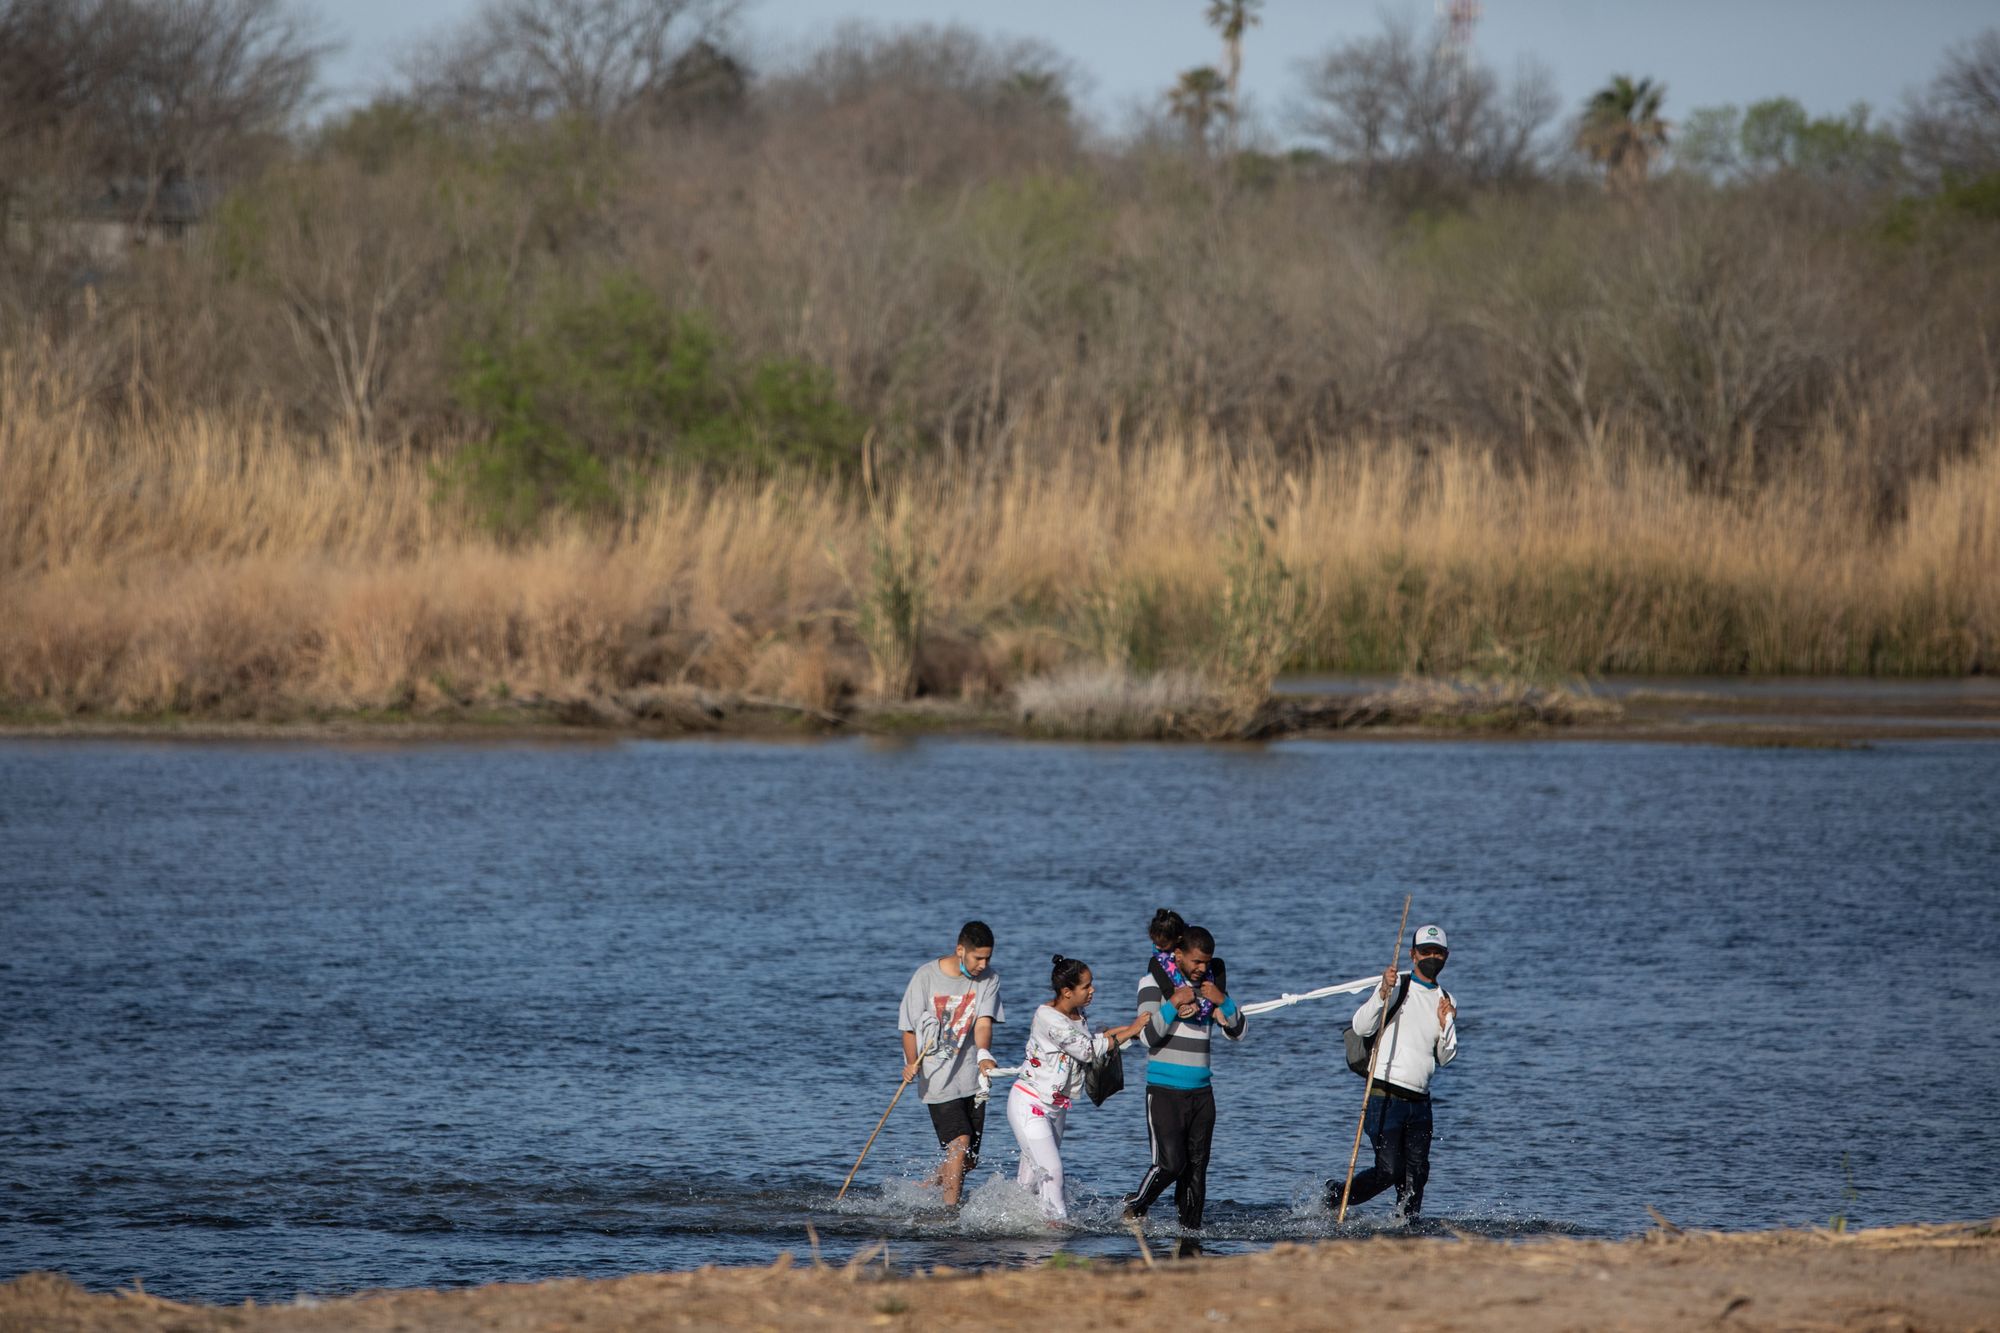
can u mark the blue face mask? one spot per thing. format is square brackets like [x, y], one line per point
[963, 971]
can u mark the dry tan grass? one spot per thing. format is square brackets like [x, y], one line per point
[1101, 702]
[1484, 703]
[224, 564]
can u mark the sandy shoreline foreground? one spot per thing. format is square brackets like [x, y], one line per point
[1901, 1278]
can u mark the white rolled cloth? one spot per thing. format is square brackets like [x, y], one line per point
[986, 1082]
[1344, 988]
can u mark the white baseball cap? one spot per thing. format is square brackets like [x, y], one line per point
[1429, 935]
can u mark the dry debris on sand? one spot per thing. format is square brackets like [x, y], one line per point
[1902, 1278]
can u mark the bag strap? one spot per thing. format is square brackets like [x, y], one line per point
[1394, 1007]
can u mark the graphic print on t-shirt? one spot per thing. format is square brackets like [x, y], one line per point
[958, 1023]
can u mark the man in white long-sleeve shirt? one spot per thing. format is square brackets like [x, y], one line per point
[1420, 1037]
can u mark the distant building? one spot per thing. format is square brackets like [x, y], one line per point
[109, 226]
[103, 231]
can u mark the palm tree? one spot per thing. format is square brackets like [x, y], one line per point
[1196, 100]
[1232, 18]
[1622, 129]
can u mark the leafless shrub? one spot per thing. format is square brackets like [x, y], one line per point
[603, 61]
[1524, 303]
[1415, 117]
[1100, 702]
[120, 123]
[355, 265]
[194, 88]
[1952, 127]
[1721, 324]
[930, 106]
[52, 66]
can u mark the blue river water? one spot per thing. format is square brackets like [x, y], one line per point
[301, 1018]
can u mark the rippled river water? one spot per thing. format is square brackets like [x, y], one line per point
[307, 1018]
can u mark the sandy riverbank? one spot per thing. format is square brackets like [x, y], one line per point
[1934, 1277]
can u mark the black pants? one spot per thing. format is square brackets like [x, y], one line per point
[1400, 1131]
[1180, 1123]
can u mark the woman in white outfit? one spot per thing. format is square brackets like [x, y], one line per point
[1061, 1048]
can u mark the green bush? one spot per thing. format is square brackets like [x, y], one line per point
[1122, 622]
[1976, 200]
[890, 618]
[1262, 618]
[600, 393]
[1957, 201]
[1043, 242]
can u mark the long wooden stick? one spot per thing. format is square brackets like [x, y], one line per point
[1139, 1234]
[878, 1127]
[1368, 1090]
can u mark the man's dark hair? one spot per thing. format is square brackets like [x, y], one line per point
[1196, 937]
[975, 935]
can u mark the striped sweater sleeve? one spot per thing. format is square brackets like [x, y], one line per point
[1160, 1015]
[1232, 1019]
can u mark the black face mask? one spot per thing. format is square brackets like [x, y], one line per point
[1428, 968]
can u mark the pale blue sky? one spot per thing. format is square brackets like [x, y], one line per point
[1827, 53]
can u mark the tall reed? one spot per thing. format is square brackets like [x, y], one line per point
[223, 563]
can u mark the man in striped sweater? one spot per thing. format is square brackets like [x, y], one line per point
[1180, 1105]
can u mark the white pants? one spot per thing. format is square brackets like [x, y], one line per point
[1038, 1128]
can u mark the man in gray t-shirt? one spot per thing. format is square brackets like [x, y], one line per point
[947, 1017]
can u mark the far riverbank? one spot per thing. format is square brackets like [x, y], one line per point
[1814, 712]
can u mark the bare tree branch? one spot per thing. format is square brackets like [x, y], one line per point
[1952, 128]
[1398, 108]
[600, 60]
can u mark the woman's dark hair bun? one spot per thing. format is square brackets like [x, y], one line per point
[1057, 960]
[1066, 973]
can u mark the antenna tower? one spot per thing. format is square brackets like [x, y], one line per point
[1460, 17]
[1457, 19]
